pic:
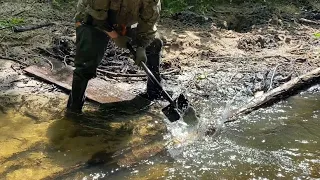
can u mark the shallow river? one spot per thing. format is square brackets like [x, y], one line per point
[279, 142]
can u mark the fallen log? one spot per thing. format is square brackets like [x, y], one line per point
[30, 27]
[285, 90]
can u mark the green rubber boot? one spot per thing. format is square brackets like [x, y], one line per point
[76, 97]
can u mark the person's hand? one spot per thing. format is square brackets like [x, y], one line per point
[121, 41]
[141, 56]
[78, 24]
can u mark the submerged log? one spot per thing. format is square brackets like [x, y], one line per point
[285, 90]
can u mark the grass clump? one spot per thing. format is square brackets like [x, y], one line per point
[11, 22]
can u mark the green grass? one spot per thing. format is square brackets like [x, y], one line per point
[11, 22]
[62, 4]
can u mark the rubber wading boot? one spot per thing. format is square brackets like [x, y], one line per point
[76, 97]
[153, 63]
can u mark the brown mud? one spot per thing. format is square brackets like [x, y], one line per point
[219, 60]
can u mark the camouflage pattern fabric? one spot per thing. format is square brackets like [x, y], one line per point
[144, 12]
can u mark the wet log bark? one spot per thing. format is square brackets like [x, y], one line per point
[285, 90]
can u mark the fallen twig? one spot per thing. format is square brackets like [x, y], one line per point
[54, 55]
[234, 75]
[2, 39]
[308, 21]
[133, 75]
[278, 56]
[24, 10]
[14, 69]
[30, 27]
[222, 12]
[49, 62]
[216, 58]
[12, 59]
[20, 12]
[272, 77]
[6, 27]
[64, 60]
[285, 79]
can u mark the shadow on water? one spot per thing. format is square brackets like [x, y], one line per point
[102, 139]
[49, 145]
[133, 106]
[41, 143]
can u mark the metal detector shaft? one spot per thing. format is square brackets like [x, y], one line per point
[151, 76]
[155, 81]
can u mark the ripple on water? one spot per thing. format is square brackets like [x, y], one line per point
[270, 143]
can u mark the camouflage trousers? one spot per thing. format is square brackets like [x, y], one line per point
[91, 45]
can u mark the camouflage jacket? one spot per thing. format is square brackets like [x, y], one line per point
[144, 12]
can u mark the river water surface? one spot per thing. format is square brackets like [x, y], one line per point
[279, 142]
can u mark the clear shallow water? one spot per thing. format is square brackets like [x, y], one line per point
[280, 142]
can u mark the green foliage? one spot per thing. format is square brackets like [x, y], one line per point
[61, 4]
[317, 35]
[11, 22]
[203, 6]
[172, 6]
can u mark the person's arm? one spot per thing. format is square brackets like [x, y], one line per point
[149, 16]
[112, 34]
[80, 11]
[81, 15]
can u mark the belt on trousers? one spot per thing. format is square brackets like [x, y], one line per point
[120, 28]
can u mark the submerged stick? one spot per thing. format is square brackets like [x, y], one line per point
[287, 89]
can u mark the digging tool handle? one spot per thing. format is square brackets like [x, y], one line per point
[155, 81]
[151, 76]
